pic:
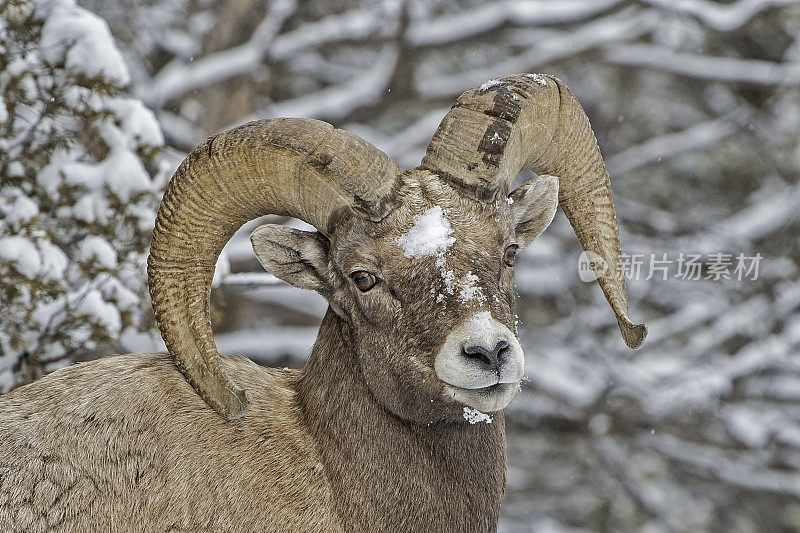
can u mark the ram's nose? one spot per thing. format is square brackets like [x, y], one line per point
[480, 353]
[493, 358]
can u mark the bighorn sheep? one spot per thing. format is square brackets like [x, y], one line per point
[374, 434]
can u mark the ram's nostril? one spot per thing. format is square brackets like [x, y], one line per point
[501, 350]
[493, 358]
[478, 353]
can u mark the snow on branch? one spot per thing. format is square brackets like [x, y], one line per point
[617, 461]
[306, 303]
[657, 219]
[464, 24]
[312, 63]
[350, 26]
[178, 78]
[726, 69]
[179, 132]
[722, 17]
[250, 280]
[266, 345]
[766, 215]
[763, 217]
[675, 386]
[553, 45]
[696, 137]
[739, 470]
[340, 100]
[408, 145]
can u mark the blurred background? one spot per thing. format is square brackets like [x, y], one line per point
[696, 107]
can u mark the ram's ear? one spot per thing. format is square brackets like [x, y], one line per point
[299, 258]
[533, 206]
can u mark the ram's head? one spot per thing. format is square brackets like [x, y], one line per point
[417, 264]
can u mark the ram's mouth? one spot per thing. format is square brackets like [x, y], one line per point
[485, 399]
[490, 389]
[487, 389]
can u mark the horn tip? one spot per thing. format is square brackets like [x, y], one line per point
[632, 334]
[235, 404]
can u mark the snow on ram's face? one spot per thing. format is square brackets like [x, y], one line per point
[431, 235]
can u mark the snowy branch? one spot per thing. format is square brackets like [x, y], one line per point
[312, 63]
[726, 69]
[250, 280]
[764, 217]
[696, 137]
[551, 46]
[408, 145]
[739, 471]
[658, 220]
[354, 25]
[616, 459]
[178, 78]
[340, 100]
[484, 18]
[266, 345]
[721, 17]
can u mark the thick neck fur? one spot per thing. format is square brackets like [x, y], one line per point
[387, 474]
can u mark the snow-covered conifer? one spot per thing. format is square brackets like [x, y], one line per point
[79, 182]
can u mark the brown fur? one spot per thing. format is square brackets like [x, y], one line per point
[388, 474]
[125, 444]
[362, 439]
[316, 452]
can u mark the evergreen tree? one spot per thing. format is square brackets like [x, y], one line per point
[79, 184]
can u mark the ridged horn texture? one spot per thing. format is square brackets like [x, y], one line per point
[533, 121]
[301, 168]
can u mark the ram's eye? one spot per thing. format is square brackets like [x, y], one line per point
[510, 255]
[364, 280]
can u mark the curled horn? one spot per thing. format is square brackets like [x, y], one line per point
[292, 167]
[533, 121]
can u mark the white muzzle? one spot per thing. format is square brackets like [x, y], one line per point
[481, 363]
